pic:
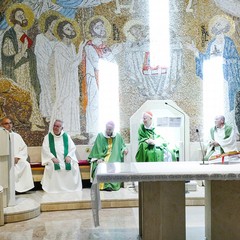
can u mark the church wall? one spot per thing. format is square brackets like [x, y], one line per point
[126, 43]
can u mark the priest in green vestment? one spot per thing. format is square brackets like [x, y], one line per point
[109, 146]
[151, 146]
[223, 139]
[61, 171]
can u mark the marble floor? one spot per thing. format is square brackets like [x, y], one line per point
[115, 223]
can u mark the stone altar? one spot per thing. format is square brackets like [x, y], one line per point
[162, 196]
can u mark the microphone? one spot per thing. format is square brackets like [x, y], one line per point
[203, 161]
[174, 107]
[184, 139]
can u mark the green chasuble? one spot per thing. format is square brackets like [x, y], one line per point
[110, 150]
[147, 152]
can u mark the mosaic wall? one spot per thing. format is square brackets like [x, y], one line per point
[50, 52]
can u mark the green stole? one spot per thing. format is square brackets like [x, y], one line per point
[228, 131]
[53, 150]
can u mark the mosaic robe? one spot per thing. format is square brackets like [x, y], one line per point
[93, 54]
[21, 69]
[67, 103]
[230, 67]
[43, 51]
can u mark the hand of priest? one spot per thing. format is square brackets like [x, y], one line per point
[55, 160]
[67, 159]
[214, 143]
[150, 141]
[16, 159]
[125, 151]
[100, 160]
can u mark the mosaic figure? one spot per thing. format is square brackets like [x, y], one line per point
[45, 43]
[221, 45]
[151, 81]
[137, 45]
[95, 49]
[66, 61]
[18, 59]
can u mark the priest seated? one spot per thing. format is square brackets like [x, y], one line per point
[109, 146]
[222, 143]
[61, 172]
[151, 146]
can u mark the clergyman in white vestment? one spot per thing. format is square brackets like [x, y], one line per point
[61, 173]
[22, 168]
[223, 139]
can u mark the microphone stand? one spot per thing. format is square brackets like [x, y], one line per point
[203, 160]
[184, 138]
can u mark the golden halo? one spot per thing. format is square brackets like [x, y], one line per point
[44, 16]
[127, 27]
[27, 11]
[75, 26]
[107, 25]
[218, 18]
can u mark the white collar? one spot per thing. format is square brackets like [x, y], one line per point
[106, 136]
[62, 132]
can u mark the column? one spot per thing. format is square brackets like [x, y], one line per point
[7, 178]
[1, 207]
[162, 210]
[222, 208]
[4, 159]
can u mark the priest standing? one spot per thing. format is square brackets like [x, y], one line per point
[61, 173]
[22, 168]
[109, 147]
